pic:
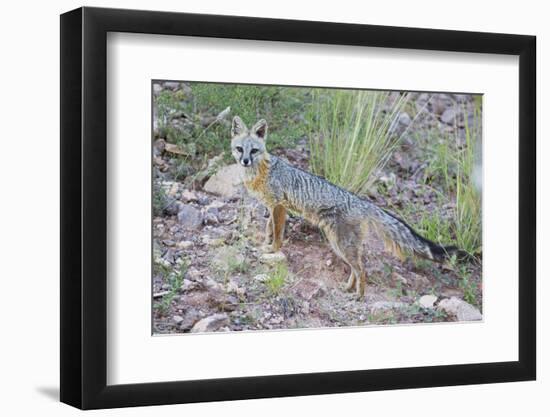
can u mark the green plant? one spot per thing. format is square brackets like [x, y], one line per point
[237, 264]
[467, 217]
[168, 104]
[160, 199]
[277, 278]
[230, 259]
[353, 134]
[466, 283]
[174, 280]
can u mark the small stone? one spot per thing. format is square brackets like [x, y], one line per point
[261, 277]
[203, 200]
[427, 301]
[210, 218]
[177, 319]
[461, 309]
[273, 258]
[404, 119]
[448, 116]
[184, 244]
[217, 204]
[328, 262]
[189, 217]
[173, 189]
[189, 196]
[189, 285]
[212, 210]
[157, 88]
[211, 323]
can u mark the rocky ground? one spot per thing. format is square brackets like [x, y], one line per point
[210, 273]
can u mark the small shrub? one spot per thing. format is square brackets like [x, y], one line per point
[230, 259]
[278, 105]
[160, 199]
[174, 280]
[277, 278]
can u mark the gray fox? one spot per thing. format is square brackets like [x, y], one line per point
[344, 217]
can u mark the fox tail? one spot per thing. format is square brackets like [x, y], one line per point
[400, 237]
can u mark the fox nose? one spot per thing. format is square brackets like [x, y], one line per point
[245, 161]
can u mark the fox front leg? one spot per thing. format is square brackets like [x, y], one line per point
[268, 230]
[278, 218]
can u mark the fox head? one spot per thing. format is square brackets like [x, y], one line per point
[248, 145]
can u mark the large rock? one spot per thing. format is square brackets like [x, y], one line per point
[189, 217]
[460, 308]
[427, 301]
[226, 182]
[211, 323]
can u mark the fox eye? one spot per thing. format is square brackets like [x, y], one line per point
[239, 149]
[254, 151]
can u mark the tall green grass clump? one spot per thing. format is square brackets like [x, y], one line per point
[467, 216]
[457, 164]
[352, 134]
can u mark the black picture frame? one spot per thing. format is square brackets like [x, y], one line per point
[84, 207]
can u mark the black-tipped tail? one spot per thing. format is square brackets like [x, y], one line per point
[408, 239]
[443, 253]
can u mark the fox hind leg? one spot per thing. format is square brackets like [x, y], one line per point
[350, 285]
[347, 242]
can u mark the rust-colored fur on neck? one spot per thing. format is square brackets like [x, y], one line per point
[257, 181]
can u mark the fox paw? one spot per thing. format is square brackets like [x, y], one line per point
[267, 248]
[359, 297]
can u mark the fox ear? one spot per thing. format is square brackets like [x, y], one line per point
[237, 127]
[260, 129]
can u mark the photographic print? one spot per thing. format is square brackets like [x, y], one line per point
[278, 207]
